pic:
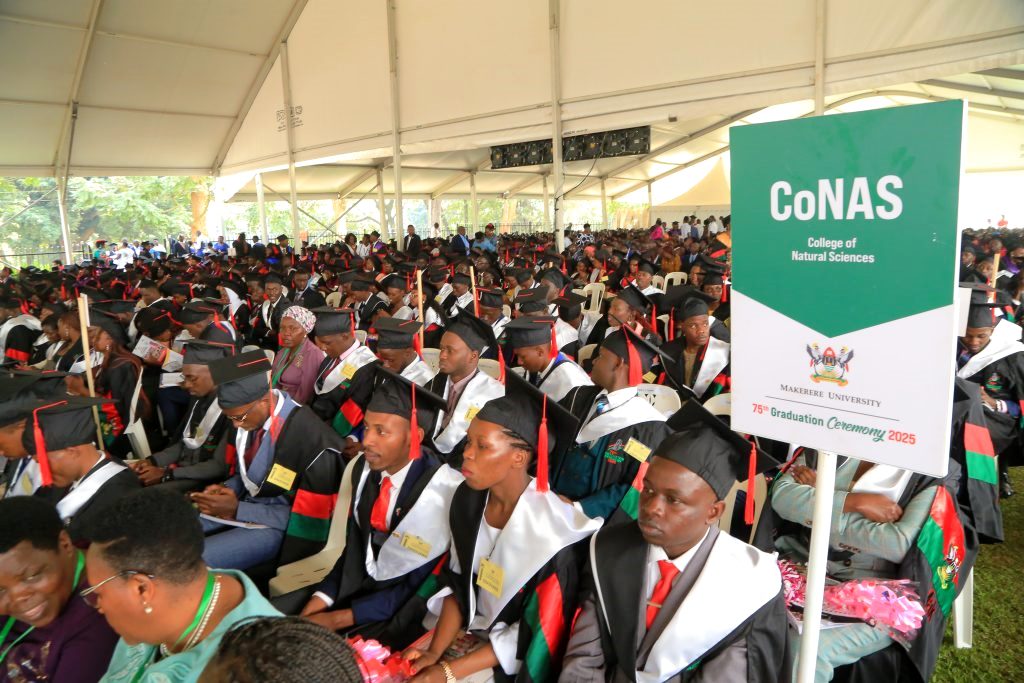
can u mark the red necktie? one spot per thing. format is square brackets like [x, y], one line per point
[253, 446]
[379, 515]
[668, 573]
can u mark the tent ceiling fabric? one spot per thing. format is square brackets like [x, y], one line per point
[195, 86]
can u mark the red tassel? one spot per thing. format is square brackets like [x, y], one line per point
[725, 293]
[564, 271]
[671, 324]
[37, 434]
[63, 293]
[501, 365]
[635, 370]
[414, 441]
[476, 305]
[748, 511]
[542, 447]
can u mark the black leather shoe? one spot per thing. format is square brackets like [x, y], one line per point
[1005, 487]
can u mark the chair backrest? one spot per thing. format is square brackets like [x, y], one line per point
[595, 296]
[664, 399]
[489, 366]
[585, 353]
[270, 355]
[506, 310]
[676, 278]
[334, 299]
[719, 405]
[760, 496]
[659, 282]
[361, 336]
[432, 357]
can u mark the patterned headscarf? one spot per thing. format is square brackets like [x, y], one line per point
[303, 316]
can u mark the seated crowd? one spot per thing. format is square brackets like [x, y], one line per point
[495, 472]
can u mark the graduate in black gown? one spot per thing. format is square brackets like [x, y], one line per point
[397, 531]
[669, 597]
[513, 589]
[62, 438]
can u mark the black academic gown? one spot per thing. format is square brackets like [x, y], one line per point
[754, 651]
[383, 609]
[194, 467]
[677, 369]
[1003, 380]
[552, 591]
[600, 476]
[354, 393]
[978, 493]
[309, 298]
[79, 526]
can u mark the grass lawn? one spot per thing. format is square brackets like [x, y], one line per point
[998, 652]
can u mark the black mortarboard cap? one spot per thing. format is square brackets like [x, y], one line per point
[202, 352]
[18, 407]
[634, 298]
[686, 301]
[362, 284]
[476, 333]
[57, 425]
[393, 333]
[633, 349]
[241, 379]
[709, 448]
[570, 305]
[531, 331]
[273, 278]
[532, 300]
[393, 395]
[647, 267]
[393, 281]
[333, 321]
[554, 276]
[545, 425]
[109, 324]
[462, 279]
[196, 311]
[490, 298]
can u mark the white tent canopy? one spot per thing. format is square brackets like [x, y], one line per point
[198, 86]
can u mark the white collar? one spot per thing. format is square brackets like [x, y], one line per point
[398, 478]
[619, 396]
[655, 554]
[350, 350]
[74, 484]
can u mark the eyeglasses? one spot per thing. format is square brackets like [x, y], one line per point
[93, 600]
[239, 419]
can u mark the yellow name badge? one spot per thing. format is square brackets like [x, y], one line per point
[491, 577]
[416, 544]
[471, 413]
[348, 371]
[281, 476]
[637, 450]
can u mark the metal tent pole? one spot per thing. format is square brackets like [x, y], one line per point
[554, 18]
[286, 83]
[396, 138]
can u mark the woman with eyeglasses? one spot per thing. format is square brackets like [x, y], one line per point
[149, 580]
[47, 633]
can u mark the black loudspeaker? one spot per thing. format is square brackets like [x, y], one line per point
[615, 143]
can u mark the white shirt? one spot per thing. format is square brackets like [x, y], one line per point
[397, 481]
[655, 553]
[615, 399]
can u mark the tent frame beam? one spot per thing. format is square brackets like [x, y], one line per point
[977, 89]
[257, 84]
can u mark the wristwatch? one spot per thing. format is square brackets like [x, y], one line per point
[449, 676]
[168, 474]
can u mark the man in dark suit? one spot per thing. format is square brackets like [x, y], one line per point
[460, 242]
[305, 294]
[411, 245]
[691, 256]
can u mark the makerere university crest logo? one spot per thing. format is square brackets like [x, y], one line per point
[830, 366]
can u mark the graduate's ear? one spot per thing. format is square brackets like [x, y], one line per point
[715, 513]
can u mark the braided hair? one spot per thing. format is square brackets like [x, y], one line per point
[283, 650]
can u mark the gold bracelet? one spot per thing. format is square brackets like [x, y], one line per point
[449, 675]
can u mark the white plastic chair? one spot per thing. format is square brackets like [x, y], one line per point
[432, 357]
[270, 355]
[963, 614]
[595, 296]
[585, 353]
[506, 310]
[664, 399]
[760, 496]
[489, 366]
[361, 336]
[719, 405]
[334, 299]
[676, 278]
[311, 570]
[659, 282]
